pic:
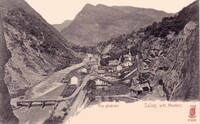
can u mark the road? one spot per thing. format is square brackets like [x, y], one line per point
[85, 80]
[134, 72]
[79, 99]
[118, 96]
[49, 88]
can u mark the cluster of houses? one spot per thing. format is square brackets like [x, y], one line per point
[117, 65]
[124, 61]
[111, 73]
[138, 87]
[104, 76]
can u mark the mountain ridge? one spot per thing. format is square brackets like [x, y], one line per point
[37, 48]
[95, 24]
[60, 27]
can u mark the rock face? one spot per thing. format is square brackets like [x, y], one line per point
[95, 24]
[6, 114]
[60, 27]
[167, 52]
[37, 49]
[174, 62]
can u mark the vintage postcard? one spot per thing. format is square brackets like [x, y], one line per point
[99, 62]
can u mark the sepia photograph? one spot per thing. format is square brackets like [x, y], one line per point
[99, 62]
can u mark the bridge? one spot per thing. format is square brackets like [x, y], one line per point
[39, 102]
[45, 102]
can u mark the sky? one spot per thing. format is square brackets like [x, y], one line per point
[57, 11]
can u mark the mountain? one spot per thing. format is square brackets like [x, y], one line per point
[167, 52]
[60, 27]
[95, 24]
[37, 49]
[6, 114]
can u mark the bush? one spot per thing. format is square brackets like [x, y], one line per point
[104, 62]
[175, 24]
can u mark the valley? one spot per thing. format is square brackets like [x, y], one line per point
[52, 88]
[106, 54]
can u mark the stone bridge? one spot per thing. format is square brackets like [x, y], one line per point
[40, 102]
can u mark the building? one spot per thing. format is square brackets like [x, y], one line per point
[114, 62]
[84, 71]
[128, 64]
[91, 77]
[130, 40]
[111, 76]
[135, 81]
[145, 86]
[105, 56]
[139, 88]
[101, 84]
[128, 60]
[74, 81]
[119, 74]
[136, 89]
[119, 68]
[128, 57]
[101, 72]
[108, 68]
[143, 67]
[127, 81]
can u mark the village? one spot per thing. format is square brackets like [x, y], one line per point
[100, 78]
[103, 78]
[118, 78]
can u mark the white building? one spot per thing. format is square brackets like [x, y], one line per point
[84, 70]
[74, 81]
[128, 64]
[114, 62]
[128, 57]
[119, 68]
[100, 82]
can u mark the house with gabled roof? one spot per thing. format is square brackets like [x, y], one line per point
[140, 88]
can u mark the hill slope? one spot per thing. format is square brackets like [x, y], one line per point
[6, 114]
[60, 27]
[95, 24]
[37, 49]
[168, 51]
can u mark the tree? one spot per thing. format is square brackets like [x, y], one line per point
[104, 62]
[91, 84]
[133, 51]
[122, 59]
